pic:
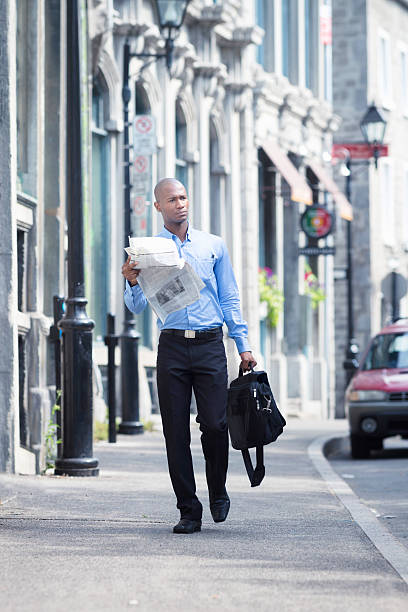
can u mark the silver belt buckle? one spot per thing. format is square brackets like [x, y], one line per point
[189, 333]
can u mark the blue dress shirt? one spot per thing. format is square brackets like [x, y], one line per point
[219, 299]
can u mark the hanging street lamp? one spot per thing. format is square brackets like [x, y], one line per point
[171, 14]
[373, 126]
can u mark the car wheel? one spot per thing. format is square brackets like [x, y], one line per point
[360, 447]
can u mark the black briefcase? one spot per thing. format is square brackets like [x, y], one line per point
[253, 418]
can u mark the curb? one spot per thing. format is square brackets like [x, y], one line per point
[390, 548]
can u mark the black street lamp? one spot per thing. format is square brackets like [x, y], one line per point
[77, 423]
[171, 15]
[373, 127]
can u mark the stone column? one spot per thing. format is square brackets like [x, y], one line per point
[9, 425]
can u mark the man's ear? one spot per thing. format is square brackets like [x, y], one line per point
[157, 206]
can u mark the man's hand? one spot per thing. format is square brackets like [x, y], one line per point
[246, 359]
[129, 271]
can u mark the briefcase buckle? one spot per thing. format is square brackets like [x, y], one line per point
[189, 333]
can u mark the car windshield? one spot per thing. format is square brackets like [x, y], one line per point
[387, 351]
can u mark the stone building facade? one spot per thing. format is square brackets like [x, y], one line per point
[243, 118]
[370, 65]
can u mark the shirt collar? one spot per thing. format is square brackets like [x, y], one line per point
[167, 234]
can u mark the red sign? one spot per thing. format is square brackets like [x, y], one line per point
[139, 205]
[141, 164]
[144, 124]
[359, 150]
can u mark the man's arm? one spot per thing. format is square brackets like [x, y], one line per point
[228, 295]
[134, 297]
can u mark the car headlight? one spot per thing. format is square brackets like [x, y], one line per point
[366, 396]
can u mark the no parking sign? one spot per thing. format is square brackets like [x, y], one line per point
[144, 135]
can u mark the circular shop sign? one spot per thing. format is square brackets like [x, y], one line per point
[316, 222]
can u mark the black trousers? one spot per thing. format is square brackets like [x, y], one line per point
[184, 364]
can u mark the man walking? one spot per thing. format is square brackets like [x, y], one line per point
[191, 355]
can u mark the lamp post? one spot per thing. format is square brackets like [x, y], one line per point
[171, 15]
[373, 127]
[77, 425]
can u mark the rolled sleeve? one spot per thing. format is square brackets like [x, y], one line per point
[228, 295]
[134, 298]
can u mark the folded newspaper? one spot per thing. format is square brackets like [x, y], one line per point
[168, 282]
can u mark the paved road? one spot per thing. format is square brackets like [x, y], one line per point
[106, 543]
[381, 482]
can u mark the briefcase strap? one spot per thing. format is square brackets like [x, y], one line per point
[256, 475]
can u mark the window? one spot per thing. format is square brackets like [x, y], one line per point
[265, 18]
[99, 240]
[387, 201]
[260, 20]
[181, 147]
[26, 73]
[311, 46]
[290, 66]
[384, 69]
[404, 81]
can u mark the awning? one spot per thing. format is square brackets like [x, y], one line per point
[299, 189]
[342, 202]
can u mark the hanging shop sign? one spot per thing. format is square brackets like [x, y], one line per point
[359, 150]
[316, 222]
[144, 135]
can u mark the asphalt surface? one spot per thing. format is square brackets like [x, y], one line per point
[106, 543]
[381, 482]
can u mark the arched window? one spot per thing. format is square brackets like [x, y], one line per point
[181, 147]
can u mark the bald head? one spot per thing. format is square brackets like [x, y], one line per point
[158, 190]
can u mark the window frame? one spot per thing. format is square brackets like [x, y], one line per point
[384, 69]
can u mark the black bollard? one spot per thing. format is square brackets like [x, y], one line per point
[129, 370]
[111, 342]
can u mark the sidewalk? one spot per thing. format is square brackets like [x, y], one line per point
[107, 544]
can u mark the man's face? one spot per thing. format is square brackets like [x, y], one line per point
[173, 203]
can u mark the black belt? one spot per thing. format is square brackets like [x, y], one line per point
[192, 333]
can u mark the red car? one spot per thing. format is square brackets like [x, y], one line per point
[377, 396]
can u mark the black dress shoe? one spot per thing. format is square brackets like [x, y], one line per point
[187, 526]
[219, 509]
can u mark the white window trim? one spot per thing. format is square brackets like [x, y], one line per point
[385, 97]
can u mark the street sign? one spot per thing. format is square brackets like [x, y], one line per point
[139, 205]
[144, 135]
[316, 222]
[359, 150]
[400, 286]
[141, 175]
[316, 251]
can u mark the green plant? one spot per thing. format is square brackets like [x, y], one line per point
[271, 294]
[100, 431]
[148, 425]
[51, 441]
[313, 287]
